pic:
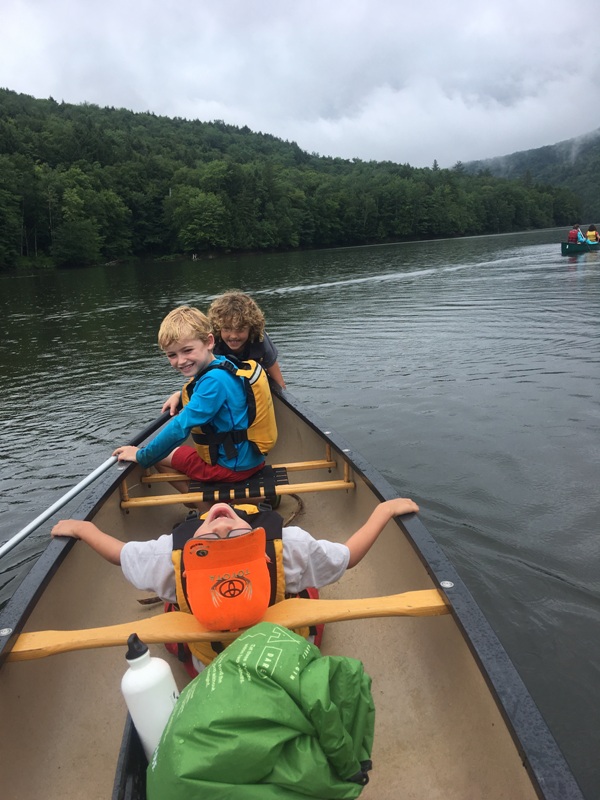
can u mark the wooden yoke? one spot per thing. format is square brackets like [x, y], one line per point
[177, 626]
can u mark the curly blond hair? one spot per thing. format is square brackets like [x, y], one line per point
[183, 322]
[234, 309]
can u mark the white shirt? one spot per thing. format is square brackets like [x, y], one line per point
[306, 562]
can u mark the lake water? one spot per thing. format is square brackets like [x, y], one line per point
[465, 370]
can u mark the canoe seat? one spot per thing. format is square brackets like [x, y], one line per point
[270, 481]
[261, 484]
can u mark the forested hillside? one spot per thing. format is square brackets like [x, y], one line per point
[573, 164]
[81, 184]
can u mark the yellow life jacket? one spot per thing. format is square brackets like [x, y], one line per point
[262, 428]
[272, 523]
[592, 236]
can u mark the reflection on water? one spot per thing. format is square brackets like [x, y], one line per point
[465, 371]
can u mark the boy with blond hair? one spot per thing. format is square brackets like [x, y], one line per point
[215, 409]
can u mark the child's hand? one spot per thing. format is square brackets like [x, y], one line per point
[126, 453]
[402, 505]
[172, 403]
[68, 527]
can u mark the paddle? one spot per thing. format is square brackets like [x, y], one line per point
[177, 626]
[7, 546]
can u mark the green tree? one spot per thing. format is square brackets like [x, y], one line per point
[152, 185]
[10, 217]
[9, 228]
[198, 219]
[76, 243]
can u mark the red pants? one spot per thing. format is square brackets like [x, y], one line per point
[186, 459]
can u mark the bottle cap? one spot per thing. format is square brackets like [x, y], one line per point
[136, 647]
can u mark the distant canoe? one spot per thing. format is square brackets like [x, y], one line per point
[573, 248]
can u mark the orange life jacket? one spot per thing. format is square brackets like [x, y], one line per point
[227, 580]
[272, 523]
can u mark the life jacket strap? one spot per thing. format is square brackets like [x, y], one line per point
[228, 440]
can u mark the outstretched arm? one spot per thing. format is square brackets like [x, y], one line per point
[361, 542]
[104, 544]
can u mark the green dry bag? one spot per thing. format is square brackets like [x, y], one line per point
[269, 719]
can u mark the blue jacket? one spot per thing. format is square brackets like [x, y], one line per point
[219, 399]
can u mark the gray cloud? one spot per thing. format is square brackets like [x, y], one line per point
[378, 79]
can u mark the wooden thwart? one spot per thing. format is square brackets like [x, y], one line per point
[204, 496]
[268, 482]
[298, 466]
[177, 626]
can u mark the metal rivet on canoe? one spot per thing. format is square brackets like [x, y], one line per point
[5, 631]
[446, 584]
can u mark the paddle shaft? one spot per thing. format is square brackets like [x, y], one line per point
[177, 626]
[62, 501]
[34, 524]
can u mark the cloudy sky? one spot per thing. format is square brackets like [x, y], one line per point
[375, 79]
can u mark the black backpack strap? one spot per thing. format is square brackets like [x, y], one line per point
[213, 439]
[194, 382]
[184, 531]
[228, 439]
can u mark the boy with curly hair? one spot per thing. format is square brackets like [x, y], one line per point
[239, 328]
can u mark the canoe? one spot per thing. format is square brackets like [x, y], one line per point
[574, 248]
[453, 717]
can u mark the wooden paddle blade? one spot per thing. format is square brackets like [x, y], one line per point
[296, 613]
[177, 626]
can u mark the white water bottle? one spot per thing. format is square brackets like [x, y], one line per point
[150, 692]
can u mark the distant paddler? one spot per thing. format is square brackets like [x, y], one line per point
[592, 236]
